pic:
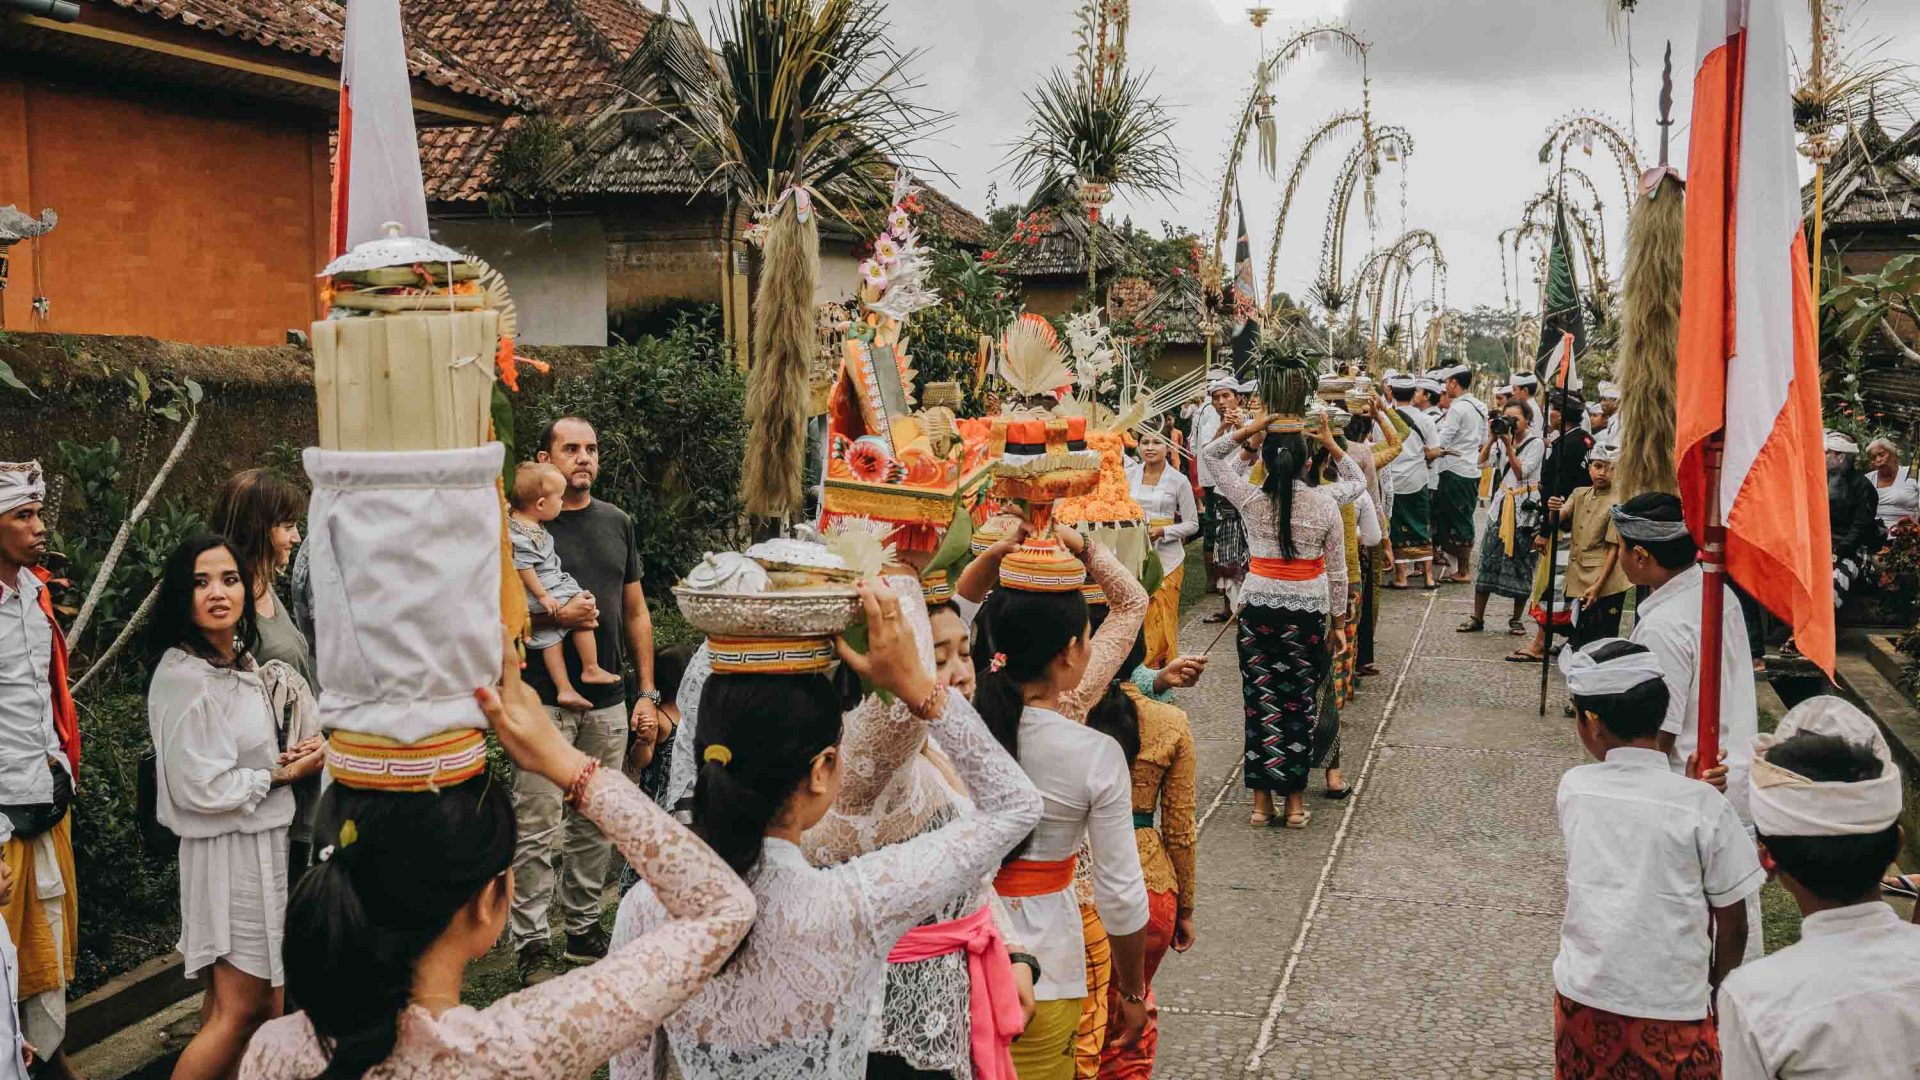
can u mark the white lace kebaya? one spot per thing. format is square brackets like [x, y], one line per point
[1317, 529]
[800, 998]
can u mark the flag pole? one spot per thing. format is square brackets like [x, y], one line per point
[1552, 518]
[1713, 572]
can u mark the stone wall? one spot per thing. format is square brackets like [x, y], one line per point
[259, 405]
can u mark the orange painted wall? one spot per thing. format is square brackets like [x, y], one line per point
[177, 221]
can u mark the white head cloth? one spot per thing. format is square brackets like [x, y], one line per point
[1429, 385]
[1458, 371]
[21, 482]
[1526, 381]
[1840, 444]
[1402, 382]
[1504, 388]
[1587, 677]
[1604, 451]
[1785, 803]
[1609, 390]
[1225, 382]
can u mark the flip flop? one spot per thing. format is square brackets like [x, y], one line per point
[1519, 657]
[1906, 885]
[1217, 617]
[1367, 669]
[1471, 626]
[1299, 820]
[1336, 794]
[1259, 820]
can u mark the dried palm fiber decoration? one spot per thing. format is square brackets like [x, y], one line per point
[1650, 339]
[1284, 389]
[784, 343]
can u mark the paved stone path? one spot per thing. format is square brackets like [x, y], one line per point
[1408, 932]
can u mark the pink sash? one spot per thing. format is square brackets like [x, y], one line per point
[993, 1001]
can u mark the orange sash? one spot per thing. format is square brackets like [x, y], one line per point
[1289, 569]
[1025, 877]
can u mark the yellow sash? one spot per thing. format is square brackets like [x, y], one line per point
[1507, 509]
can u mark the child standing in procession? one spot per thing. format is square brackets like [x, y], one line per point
[1845, 1000]
[1652, 858]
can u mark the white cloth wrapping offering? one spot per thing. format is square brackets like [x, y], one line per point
[1587, 677]
[1785, 803]
[406, 587]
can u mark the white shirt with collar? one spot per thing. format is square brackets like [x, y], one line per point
[28, 737]
[1169, 499]
[1086, 791]
[1647, 853]
[1462, 430]
[1407, 473]
[1668, 624]
[1843, 1002]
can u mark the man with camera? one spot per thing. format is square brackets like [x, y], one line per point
[1507, 556]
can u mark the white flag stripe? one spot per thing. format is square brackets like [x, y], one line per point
[384, 184]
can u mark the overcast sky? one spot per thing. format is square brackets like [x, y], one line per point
[1477, 84]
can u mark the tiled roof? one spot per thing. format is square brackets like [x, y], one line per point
[316, 28]
[565, 51]
[1062, 250]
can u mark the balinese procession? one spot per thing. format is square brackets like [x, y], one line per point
[707, 540]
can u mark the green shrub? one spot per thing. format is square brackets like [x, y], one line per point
[669, 414]
[129, 902]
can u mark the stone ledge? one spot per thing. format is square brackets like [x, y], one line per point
[1870, 674]
[126, 1000]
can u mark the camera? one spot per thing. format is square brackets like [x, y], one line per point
[1501, 425]
[1531, 506]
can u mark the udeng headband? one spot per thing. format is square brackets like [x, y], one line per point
[1587, 677]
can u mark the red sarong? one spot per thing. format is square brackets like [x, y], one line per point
[1590, 1044]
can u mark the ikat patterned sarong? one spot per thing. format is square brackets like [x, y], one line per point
[1283, 663]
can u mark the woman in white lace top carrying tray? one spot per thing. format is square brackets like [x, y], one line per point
[380, 933]
[798, 1000]
[1298, 583]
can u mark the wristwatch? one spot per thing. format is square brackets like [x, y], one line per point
[651, 695]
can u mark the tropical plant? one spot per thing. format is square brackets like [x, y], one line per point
[810, 107]
[1862, 304]
[1113, 135]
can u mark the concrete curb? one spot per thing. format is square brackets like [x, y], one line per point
[126, 1000]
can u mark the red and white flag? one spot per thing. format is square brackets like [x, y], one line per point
[1749, 360]
[376, 173]
[1562, 372]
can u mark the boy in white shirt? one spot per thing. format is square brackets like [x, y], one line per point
[1652, 858]
[1845, 1000]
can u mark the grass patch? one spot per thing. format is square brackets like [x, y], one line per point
[1193, 587]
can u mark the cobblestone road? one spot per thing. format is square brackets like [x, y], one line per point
[1408, 932]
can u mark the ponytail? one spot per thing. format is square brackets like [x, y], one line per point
[358, 923]
[757, 738]
[1021, 632]
[1287, 459]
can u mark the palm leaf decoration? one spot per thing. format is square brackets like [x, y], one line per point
[1110, 133]
[809, 110]
[1032, 360]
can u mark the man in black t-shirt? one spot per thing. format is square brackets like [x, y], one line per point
[595, 543]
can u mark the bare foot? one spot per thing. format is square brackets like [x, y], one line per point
[598, 676]
[572, 701]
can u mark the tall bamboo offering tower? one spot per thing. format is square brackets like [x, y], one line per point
[411, 569]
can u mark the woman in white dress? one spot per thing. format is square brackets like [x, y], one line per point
[223, 789]
[1172, 519]
[1899, 492]
[800, 998]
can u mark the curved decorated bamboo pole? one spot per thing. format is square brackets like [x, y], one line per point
[1322, 134]
[1586, 129]
[1302, 43]
[1334, 242]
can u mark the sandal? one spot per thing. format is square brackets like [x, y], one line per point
[1299, 820]
[1339, 793]
[1517, 628]
[1473, 625]
[1367, 670]
[1906, 885]
[1259, 820]
[1217, 617]
[1521, 656]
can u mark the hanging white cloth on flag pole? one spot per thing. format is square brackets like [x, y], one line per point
[377, 170]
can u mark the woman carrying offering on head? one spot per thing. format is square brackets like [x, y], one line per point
[1041, 667]
[223, 787]
[1298, 586]
[798, 999]
[381, 932]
